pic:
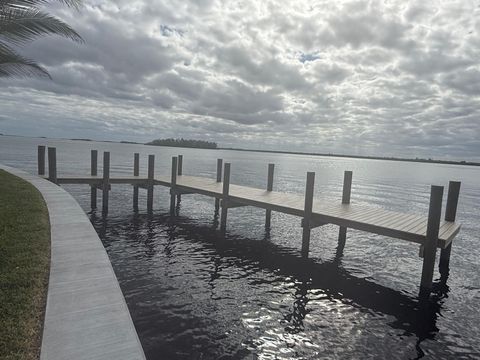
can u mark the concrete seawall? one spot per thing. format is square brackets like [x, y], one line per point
[86, 315]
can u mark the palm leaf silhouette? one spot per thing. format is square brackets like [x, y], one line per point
[20, 22]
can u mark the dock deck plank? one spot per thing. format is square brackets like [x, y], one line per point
[404, 226]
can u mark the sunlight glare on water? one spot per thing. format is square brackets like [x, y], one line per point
[195, 295]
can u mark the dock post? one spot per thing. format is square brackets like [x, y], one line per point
[173, 184]
[41, 160]
[347, 190]
[431, 240]
[106, 181]
[226, 188]
[268, 212]
[136, 172]
[180, 173]
[93, 172]
[151, 171]
[52, 164]
[219, 179]
[450, 215]
[308, 213]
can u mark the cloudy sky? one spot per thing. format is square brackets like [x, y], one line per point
[386, 78]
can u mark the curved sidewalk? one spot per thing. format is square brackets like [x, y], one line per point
[86, 315]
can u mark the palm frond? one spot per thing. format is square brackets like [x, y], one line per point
[35, 3]
[20, 25]
[13, 64]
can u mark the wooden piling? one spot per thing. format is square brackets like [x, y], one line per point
[93, 172]
[450, 215]
[179, 172]
[430, 246]
[268, 212]
[180, 165]
[173, 183]
[309, 189]
[226, 188]
[52, 164]
[347, 190]
[106, 181]
[41, 160]
[347, 187]
[136, 172]
[151, 173]
[219, 179]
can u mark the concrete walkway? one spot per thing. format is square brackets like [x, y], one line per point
[86, 315]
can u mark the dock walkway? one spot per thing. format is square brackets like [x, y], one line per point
[429, 231]
[86, 315]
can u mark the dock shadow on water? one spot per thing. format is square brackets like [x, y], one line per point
[194, 294]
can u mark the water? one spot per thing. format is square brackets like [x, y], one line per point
[195, 295]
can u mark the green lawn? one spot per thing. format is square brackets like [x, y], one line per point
[24, 267]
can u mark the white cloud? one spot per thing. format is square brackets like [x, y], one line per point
[396, 78]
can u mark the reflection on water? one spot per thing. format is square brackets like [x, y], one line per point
[196, 295]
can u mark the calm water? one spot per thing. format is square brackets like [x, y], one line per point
[195, 295]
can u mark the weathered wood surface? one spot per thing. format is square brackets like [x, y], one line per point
[408, 227]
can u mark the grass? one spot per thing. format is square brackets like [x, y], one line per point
[24, 267]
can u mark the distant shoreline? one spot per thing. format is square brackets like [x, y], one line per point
[430, 161]
[433, 161]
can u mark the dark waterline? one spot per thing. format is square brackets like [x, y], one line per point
[195, 295]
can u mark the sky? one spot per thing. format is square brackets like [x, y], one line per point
[383, 78]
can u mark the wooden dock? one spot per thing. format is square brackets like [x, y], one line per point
[430, 231]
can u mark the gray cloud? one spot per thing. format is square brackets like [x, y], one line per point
[397, 78]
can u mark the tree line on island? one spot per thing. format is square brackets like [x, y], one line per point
[202, 144]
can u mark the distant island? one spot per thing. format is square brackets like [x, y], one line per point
[429, 160]
[184, 143]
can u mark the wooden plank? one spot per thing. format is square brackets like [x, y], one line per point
[403, 226]
[393, 219]
[364, 214]
[413, 225]
[446, 238]
[377, 220]
[370, 216]
[410, 218]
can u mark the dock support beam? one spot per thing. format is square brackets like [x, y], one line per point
[136, 172]
[173, 184]
[219, 179]
[151, 172]
[41, 160]
[93, 172]
[180, 173]
[309, 189]
[106, 181]
[226, 188]
[431, 241]
[347, 190]
[52, 164]
[268, 212]
[450, 215]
